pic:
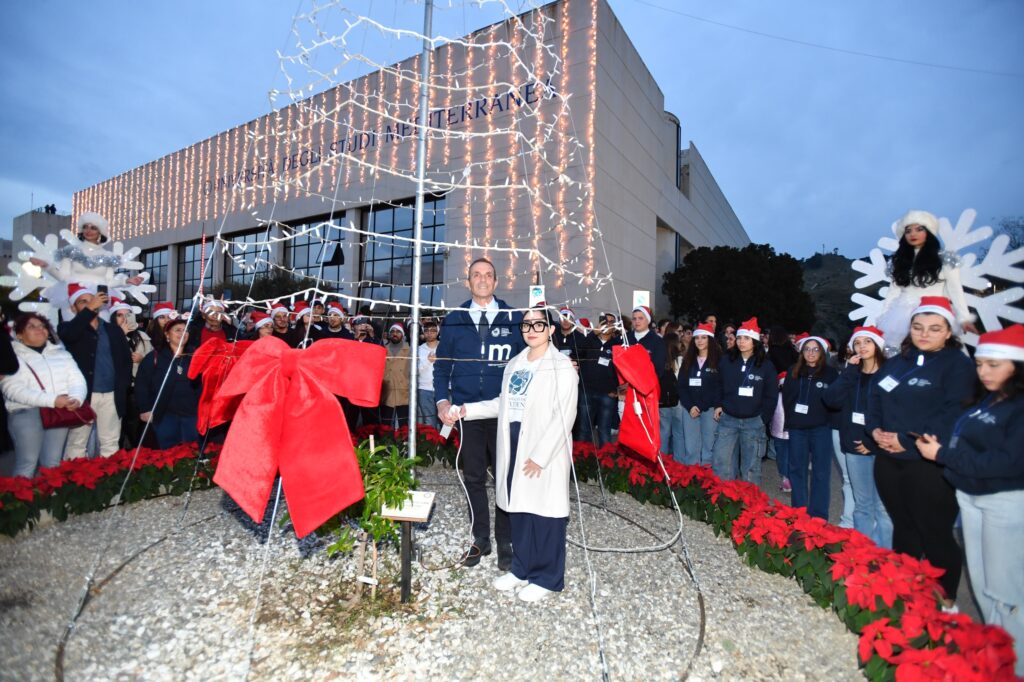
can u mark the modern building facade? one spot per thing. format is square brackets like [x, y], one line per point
[546, 133]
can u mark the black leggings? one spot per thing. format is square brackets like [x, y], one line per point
[923, 508]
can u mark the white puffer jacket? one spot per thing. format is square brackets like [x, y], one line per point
[55, 368]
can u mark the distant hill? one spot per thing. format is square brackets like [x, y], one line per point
[828, 278]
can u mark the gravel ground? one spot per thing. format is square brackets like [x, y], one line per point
[182, 609]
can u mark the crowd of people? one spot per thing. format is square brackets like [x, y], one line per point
[922, 436]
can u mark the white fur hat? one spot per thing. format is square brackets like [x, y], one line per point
[923, 218]
[93, 218]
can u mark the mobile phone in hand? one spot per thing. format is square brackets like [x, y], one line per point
[912, 435]
[101, 288]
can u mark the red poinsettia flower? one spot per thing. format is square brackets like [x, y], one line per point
[881, 638]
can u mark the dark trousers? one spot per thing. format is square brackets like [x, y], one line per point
[479, 445]
[814, 445]
[389, 415]
[538, 542]
[923, 508]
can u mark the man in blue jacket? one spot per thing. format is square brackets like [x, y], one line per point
[475, 346]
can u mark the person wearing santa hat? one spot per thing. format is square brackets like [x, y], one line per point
[920, 268]
[700, 393]
[101, 351]
[849, 394]
[164, 394]
[571, 342]
[919, 391]
[983, 458]
[808, 423]
[394, 403]
[262, 324]
[749, 395]
[213, 323]
[160, 315]
[335, 328]
[599, 382]
[306, 329]
[642, 334]
[281, 326]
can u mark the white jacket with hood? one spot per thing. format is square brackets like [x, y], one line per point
[56, 370]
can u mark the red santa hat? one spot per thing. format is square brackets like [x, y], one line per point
[750, 329]
[1004, 344]
[336, 308]
[704, 329]
[301, 308]
[260, 319]
[95, 219]
[646, 311]
[936, 305]
[799, 338]
[165, 308]
[873, 333]
[923, 218]
[808, 337]
[567, 313]
[76, 291]
[211, 303]
[279, 307]
[585, 323]
[117, 304]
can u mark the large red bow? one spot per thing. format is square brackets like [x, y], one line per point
[639, 432]
[290, 419]
[215, 360]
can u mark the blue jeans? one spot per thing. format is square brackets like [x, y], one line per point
[34, 446]
[782, 456]
[699, 437]
[846, 520]
[994, 545]
[749, 436]
[426, 408]
[173, 429]
[671, 419]
[603, 412]
[869, 515]
[815, 444]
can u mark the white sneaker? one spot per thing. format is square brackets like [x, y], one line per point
[507, 582]
[533, 592]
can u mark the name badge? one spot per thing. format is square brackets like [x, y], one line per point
[746, 391]
[857, 418]
[695, 381]
[604, 362]
[888, 383]
[800, 409]
[565, 351]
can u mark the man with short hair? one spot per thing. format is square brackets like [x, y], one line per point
[281, 324]
[335, 328]
[394, 403]
[476, 343]
[100, 350]
[213, 323]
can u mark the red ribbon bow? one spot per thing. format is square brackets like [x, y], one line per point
[290, 420]
[639, 432]
[215, 360]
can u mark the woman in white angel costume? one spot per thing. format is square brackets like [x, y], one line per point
[84, 260]
[920, 268]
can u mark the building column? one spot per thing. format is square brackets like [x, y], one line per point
[172, 273]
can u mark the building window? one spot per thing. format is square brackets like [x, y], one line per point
[190, 267]
[387, 263]
[304, 253]
[241, 265]
[155, 263]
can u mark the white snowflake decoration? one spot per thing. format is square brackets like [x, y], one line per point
[94, 265]
[998, 262]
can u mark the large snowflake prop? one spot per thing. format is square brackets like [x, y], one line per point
[991, 308]
[76, 261]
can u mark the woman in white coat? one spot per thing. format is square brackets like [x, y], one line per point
[47, 376]
[535, 411]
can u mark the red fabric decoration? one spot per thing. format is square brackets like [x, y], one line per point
[640, 433]
[214, 360]
[290, 420]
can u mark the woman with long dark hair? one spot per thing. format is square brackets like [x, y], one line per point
[920, 268]
[700, 394]
[984, 460]
[671, 411]
[849, 394]
[172, 410]
[920, 391]
[749, 395]
[809, 427]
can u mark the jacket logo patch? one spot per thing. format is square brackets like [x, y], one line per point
[923, 383]
[496, 332]
[987, 418]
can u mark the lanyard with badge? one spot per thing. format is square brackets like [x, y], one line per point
[745, 391]
[605, 360]
[962, 421]
[890, 382]
[802, 406]
[857, 417]
[695, 380]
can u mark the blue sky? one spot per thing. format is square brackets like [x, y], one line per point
[811, 146]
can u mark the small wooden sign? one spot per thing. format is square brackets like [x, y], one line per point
[415, 508]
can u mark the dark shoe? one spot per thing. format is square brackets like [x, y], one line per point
[475, 552]
[504, 556]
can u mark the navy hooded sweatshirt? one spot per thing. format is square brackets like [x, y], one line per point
[706, 396]
[469, 368]
[596, 367]
[986, 452]
[745, 374]
[849, 394]
[807, 390]
[922, 393]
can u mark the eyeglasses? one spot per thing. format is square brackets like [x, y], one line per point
[536, 325]
[812, 350]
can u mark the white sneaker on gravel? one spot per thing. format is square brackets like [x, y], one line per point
[507, 582]
[533, 592]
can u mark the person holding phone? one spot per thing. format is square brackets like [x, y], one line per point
[921, 390]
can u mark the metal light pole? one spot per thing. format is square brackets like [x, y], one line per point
[417, 248]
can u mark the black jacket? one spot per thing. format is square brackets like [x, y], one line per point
[987, 455]
[195, 332]
[807, 390]
[762, 382]
[849, 394]
[80, 339]
[705, 397]
[597, 370]
[180, 395]
[655, 347]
